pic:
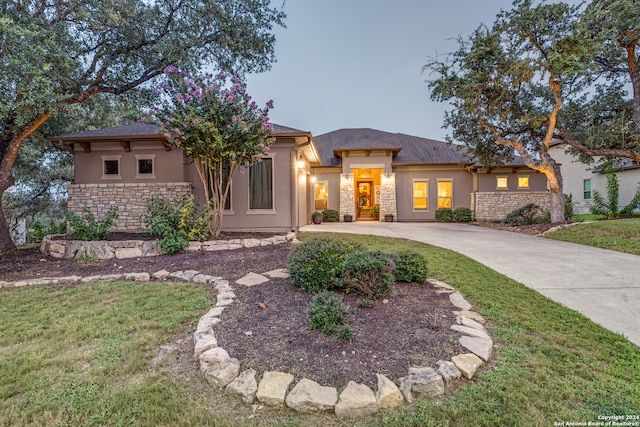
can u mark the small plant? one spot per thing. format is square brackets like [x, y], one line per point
[462, 214]
[87, 257]
[435, 319]
[330, 215]
[375, 211]
[568, 206]
[365, 303]
[326, 312]
[38, 231]
[344, 332]
[527, 215]
[369, 273]
[410, 267]
[609, 207]
[315, 265]
[176, 222]
[444, 215]
[317, 217]
[87, 227]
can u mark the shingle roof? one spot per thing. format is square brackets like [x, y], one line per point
[414, 150]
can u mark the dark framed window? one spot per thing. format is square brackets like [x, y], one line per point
[586, 186]
[112, 167]
[145, 166]
[261, 185]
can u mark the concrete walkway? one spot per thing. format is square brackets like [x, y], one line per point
[603, 285]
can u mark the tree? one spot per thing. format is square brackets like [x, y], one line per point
[507, 84]
[606, 122]
[218, 127]
[63, 52]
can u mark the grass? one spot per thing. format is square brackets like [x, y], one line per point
[621, 235]
[80, 357]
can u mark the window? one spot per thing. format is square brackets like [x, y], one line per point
[420, 195]
[523, 181]
[586, 185]
[111, 167]
[145, 167]
[502, 182]
[445, 194]
[261, 185]
[321, 196]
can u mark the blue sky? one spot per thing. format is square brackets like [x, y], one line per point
[358, 63]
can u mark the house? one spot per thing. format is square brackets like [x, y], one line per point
[580, 180]
[349, 170]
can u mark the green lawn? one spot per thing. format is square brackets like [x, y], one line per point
[81, 357]
[621, 235]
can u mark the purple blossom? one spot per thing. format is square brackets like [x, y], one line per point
[155, 90]
[222, 75]
[270, 104]
[196, 122]
[231, 98]
[171, 69]
[167, 135]
[166, 86]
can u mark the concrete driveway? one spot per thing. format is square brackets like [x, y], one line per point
[603, 285]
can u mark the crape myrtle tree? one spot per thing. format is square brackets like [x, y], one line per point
[507, 84]
[58, 53]
[217, 125]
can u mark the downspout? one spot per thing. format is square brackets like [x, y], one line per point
[294, 190]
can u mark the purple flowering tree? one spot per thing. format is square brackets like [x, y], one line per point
[218, 126]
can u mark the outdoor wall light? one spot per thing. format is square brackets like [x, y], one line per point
[300, 164]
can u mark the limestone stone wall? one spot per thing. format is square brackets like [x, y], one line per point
[347, 195]
[388, 203]
[494, 206]
[128, 197]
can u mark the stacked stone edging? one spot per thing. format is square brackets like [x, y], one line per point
[104, 249]
[223, 372]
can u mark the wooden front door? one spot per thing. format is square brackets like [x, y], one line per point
[364, 199]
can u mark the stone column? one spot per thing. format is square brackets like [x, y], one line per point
[347, 195]
[388, 195]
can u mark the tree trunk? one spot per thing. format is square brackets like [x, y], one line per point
[554, 178]
[6, 244]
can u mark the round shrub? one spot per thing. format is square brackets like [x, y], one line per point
[462, 215]
[527, 215]
[326, 312]
[444, 215]
[330, 215]
[315, 265]
[410, 267]
[369, 273]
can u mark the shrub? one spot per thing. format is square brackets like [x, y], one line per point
[87, 227]
[326, 311]
[176, 222]
[315, 265]
[462, 215]
[330, 215]
[410, 267]
[527, 215]
[444, 215]
[38, 231]
[568, 206]
[365, 303]
[369, 273]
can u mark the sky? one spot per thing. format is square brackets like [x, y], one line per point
[358, 63]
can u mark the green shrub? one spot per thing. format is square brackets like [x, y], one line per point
[176, 222]
[326, 311]
[527, 215]
[444, 215]
[369, 273]
[365, 303]
[462, 215]
[410, 267]
[568, 206]
[315, 265]
[38, 231]
[87, 227]
[330, 215]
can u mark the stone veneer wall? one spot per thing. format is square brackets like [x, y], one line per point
[130, 198]
[347, 195]
[494, 206]
[388, 195]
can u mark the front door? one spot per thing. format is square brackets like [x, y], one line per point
[364, 199]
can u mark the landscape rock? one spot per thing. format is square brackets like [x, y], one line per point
[252, 279]
[160, 275]
[194, 247]
[137, 277]
[212, 357]
[308, 396]
[244, 386]
[204, 278]
[186, 275]
[465, 321]
[250, 243]
[481, 347]
[468, 364]
[220, 375]
[448, 371]
[356, 400]
[470, 315]
[441, 285]
[111, 277]
[458, 300]
[203, 343]
[425, 381]
[123, 253]
[388, 394]
[472, 332]
[280, 273]
[151, 248]
[273, 387]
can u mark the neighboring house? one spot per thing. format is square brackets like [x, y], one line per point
[580, 180]
[349, 170]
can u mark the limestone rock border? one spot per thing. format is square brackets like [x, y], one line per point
[104, 249]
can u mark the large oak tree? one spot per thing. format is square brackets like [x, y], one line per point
[63, 52]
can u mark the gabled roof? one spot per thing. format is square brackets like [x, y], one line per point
[407, 149]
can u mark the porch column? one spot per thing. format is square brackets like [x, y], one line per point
[388, 195]
[347, 195]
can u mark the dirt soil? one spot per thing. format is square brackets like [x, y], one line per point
[410, 329]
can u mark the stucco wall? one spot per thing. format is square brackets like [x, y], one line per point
[130, 198]
[487, 182]
[495, 205]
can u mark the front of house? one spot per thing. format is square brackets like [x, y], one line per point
[349, 170]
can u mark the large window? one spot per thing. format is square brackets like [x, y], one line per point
[586, 186]
[321, 196]
[445, 194]
[523, 182]
[502, 182]
[261, 185]
[420, 195]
